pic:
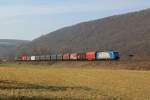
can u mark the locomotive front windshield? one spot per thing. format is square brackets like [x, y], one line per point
[116, 55]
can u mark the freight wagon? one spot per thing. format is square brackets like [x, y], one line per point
[47, 58]
[53, 57]
[59, 57]
[90, 56]
[74, 56]
[66, 57]
[33, 58]
[37, 58]
[24, 58]
[81, 56]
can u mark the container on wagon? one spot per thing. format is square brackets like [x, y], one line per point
[43, 58]
[16, 58]
[54, 57]
[37, 58]
[73, 56]
[66, 56]
[47, 57]
[24, 58]
[90, 55]
[59, 57]
[81, 56]
[32, 58]
[28, 58]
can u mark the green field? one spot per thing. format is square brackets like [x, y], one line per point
[55, 83]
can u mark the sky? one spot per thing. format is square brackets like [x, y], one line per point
[29, 19]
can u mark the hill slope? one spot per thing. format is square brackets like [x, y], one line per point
[128, 33]
[8, 47]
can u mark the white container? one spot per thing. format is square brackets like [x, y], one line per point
[32, 58]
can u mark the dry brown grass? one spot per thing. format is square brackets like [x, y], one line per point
[56, 83]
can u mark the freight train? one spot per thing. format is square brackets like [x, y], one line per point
[87, 56]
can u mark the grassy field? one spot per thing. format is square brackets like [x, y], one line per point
[55, 83]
